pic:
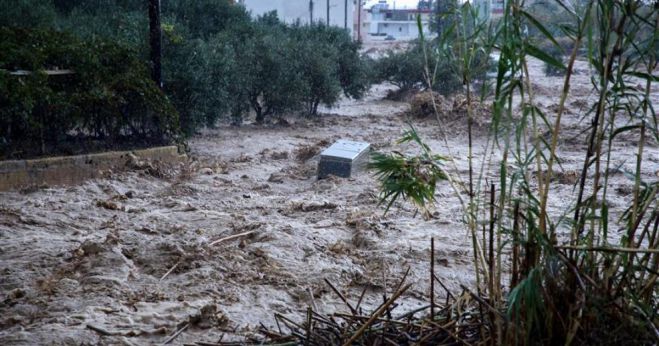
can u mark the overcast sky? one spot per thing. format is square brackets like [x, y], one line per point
[399, 3]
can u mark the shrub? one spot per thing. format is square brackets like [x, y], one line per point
[330, 64]
[261, 65]
[558, 53]
[353, 69]
[402, 69]
[279, 68]
[199, 69]
[264, 76]
[406, 70]
[27, 13]
[109, 101]
[217, 61]
[196, 75]
[205, 18]
[443, 16]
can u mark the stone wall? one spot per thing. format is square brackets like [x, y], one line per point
[69, 170]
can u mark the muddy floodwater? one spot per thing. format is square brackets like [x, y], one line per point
[131, 258]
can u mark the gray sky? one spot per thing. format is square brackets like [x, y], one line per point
[399, 3]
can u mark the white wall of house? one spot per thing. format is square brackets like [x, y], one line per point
[404, 30]
[395, 29]
[401, 30]
[291, 11]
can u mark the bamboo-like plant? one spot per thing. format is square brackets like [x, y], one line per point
[412, 178]
[586, 286]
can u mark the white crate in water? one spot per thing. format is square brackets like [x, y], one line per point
[343, 159]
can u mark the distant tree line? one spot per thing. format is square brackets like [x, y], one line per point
[218, 63]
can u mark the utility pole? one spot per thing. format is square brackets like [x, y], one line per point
[438, 18]
[359, 20]
[345, 24]
[328, 12]
[310, 12]
[155, 41]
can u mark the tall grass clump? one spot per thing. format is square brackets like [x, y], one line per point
[580, 272]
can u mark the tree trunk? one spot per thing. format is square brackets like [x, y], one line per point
[254, 102]
[260, 114]
[155, 41]
[260, 117]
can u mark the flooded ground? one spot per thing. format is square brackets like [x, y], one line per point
[134, 257]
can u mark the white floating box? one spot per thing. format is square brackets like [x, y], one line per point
[343, 159]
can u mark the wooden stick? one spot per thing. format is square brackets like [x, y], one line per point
[313, 301]
[400, 283]
[309, 321]
[483, 302]
[376, 315]
[432, 277]
[357, 317]
[288, 321]
[170, 270]
[353, 310]
[607, 249]
[231, 237]
[359, 302]
[491, 287]
[100, 330]
[407, 272]
[453, 335]
[515, 271]
[448, 293]
[178, 332]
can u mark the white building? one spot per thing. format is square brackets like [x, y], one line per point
[340, 12]
[401, 24]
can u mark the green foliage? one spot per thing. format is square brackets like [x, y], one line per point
[196, 75]
[571, 282]
[329, 64]
[109, 98]
[552, 16]
[558, 54]
[199, 68]
[443, 16]
[205, 18]
[263, 73]
[407, 70]
[27, 13]
[279, 68]
[403, 69]
[408, 177]
[466, 44]
[123, 27]
[218, 62]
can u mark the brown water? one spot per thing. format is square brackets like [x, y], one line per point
[94, 254]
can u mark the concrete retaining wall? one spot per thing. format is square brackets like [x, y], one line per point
[69, 170]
